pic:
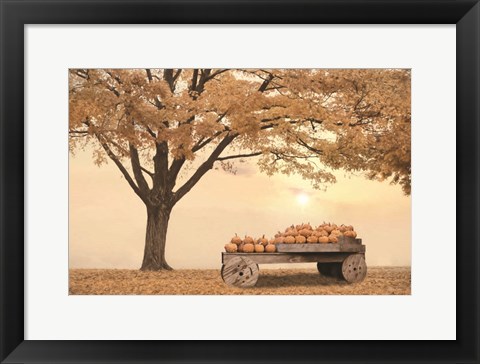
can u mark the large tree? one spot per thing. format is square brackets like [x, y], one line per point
[153, 123]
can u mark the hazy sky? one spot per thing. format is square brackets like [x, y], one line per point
[107, 220]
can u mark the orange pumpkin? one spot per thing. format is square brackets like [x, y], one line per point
[305, 232]
[279, 240]
[270, 248]
[236, 240]
[328, 228]
[231, 248]
[336, 232]
[248, 248]
[350, 234]
[262, 240]
[300, 239]
[248, 240]
[289, 240]
[312, 239]
[323, 239]
[291, 231]
[259, 248]
[332, 239]
[307, 226]
[319, 233]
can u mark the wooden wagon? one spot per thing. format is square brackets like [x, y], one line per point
[345, 260]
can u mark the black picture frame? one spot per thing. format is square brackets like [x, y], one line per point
[16, 14]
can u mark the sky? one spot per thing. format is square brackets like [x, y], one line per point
[107, 220]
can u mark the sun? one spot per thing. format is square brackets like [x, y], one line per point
[302, 199]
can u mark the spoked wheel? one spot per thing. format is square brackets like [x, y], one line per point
[354, 268]
[330, 269]
[240, 272]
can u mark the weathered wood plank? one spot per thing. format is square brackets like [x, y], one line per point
[317, 248]
[348, 240]
[276, 258]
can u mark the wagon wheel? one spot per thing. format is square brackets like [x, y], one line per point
[354, 268]
[329, 269]
[240, 272]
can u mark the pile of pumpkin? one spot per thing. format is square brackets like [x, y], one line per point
[250, 245]
[299, 234]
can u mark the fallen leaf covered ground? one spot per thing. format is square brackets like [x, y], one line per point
[379, 281]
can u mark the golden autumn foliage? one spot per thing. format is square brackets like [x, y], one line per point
[349, 119]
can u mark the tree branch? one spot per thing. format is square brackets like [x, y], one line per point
[150, 131]
[151, 174]
[174, 170]
[265, 83]
[193, 86]
[82, 73]
[216, 74]
[157, 101]
[204, 74]
[239, 156]
[113, 89]
[78, 132]
[312, 149]
[204, 168]
[160, 162]
[137, 169]
[177, 164]
[149, 74]
[204, 142]
[312, 121]
[120, 166]
[177, 74]
[170, 78]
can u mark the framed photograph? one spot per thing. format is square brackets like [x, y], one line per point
[174, 170]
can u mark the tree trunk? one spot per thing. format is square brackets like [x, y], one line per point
[155, 239]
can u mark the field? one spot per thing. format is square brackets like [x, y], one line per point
[379, 281]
